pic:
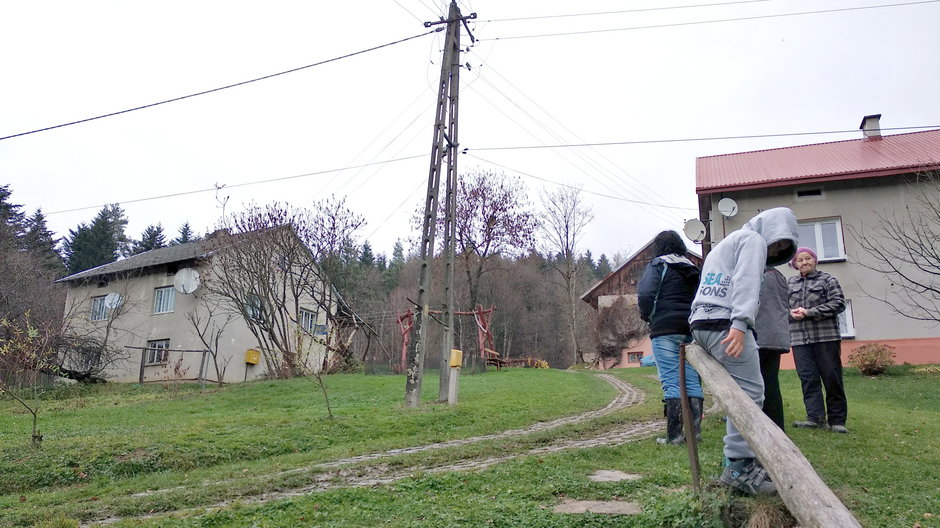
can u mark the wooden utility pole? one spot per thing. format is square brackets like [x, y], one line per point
[441, 146]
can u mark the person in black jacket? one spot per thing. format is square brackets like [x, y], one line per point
[664, 297]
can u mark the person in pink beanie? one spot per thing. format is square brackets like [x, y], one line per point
[816, 300]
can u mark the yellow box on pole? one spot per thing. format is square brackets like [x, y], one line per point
[456, 358]
[252, 356]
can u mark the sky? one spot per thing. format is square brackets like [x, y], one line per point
[601, 95]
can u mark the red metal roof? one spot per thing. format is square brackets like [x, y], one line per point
[856, 158]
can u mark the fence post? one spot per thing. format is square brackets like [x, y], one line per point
[807, 497]
[143, 362]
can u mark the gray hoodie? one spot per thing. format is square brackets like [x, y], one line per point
[733, 271]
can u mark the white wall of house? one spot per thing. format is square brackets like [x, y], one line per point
[138, 325]
[853, 203]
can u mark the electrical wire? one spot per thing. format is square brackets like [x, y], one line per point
[226, 87]
[642, 10]
[559, 184]
[700, 22]
[244, 184]
[683, 140]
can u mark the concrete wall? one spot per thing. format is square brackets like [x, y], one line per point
[857, 203]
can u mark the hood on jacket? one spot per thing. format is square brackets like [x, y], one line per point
[775, 225]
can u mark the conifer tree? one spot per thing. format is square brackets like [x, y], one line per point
[186, 235]
[98, 243]
[38, 239]
[151, 238]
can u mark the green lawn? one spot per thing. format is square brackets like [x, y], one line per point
[106, 446]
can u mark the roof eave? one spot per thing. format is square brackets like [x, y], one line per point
[817, 179]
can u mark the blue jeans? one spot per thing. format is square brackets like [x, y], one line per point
[666, 352]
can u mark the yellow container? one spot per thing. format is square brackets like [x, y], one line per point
[456, 358]
[252, 356]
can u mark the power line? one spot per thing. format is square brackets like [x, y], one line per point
[541, 17]
[683, 140]
[244, 184]
[620, 198]
[678, 24]
[204, 92]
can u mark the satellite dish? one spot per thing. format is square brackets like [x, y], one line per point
[695, 230]
[112, 300]
[186, 280]
[727, 207]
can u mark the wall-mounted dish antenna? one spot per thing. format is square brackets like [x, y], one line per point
[727, 207]
[112, 300]
[186, 280]
[695, 230]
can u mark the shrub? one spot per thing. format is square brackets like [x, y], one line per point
[872, 359]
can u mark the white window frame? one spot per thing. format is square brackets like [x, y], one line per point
[817, 224]
[307, 320]
[99, 312]
[157, 352]
[164, 300]
[847, 321]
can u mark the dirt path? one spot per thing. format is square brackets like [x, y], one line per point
[379, 473]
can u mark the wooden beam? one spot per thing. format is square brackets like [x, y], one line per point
[807, 497]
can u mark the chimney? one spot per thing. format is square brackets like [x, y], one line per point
[871, 126]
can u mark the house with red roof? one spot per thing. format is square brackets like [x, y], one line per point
[840, 192]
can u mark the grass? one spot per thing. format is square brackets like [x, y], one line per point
[105, 446]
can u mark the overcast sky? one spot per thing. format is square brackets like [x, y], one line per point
[632, 75]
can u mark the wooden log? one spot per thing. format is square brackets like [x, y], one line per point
[807, 497]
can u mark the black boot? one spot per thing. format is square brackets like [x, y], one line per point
[695, 404]
[673, 412]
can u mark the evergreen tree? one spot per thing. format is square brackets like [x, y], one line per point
[186, 235]
[151, 238]
[381, 262]
[98, 243]
[603, 268]
[587, 262]
[42, 243]
[11, 220]
[366, 257]
[393, 272]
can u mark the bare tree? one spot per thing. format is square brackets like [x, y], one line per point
[563, 220]
[209, 324]
[25, 356]
[903, 246]
[272, 269]
[493, 218]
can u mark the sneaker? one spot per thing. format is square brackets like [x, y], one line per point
[839, 429]
[747, 476]
[809, 424]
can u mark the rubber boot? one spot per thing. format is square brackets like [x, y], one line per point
[673, 412]
[695, 404]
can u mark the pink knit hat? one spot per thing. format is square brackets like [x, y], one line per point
[802, 250]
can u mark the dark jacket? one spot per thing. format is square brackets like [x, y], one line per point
[665, 292]
[772, 325]
[821, 294]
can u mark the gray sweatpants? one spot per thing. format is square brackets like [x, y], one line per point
[745, 370]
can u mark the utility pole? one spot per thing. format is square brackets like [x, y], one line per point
[443, 144]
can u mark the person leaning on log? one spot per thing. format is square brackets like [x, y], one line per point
[722, 322]
[664, 295]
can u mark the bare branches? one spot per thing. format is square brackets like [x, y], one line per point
[903, 245]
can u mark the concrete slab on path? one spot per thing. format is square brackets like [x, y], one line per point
[613, 475]
[608, 507]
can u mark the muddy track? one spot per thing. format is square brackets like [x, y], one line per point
[379, 473]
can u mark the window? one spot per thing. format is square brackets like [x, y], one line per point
[847, 321]
[254, 308]
[157, 351]
[307, 320]
[163, 299]
[634, 357]
[99, 311]
[825, 237]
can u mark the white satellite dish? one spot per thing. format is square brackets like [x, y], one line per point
[727, 207]
[186, 280]
[112, 300]
[695, 230]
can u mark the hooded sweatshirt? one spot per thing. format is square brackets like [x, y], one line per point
[729, 292]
